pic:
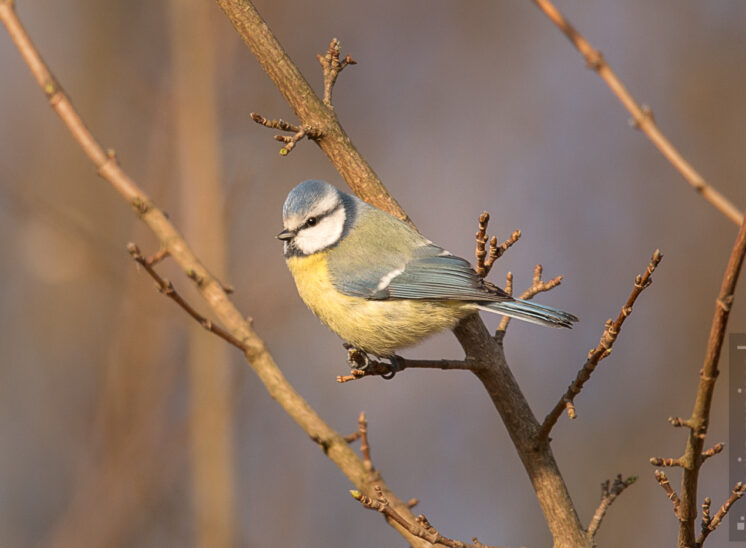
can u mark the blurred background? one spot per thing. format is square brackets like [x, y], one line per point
[123, 424]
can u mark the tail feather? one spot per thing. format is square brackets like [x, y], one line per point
[531, 312]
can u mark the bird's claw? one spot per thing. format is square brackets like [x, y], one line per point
[393, 368]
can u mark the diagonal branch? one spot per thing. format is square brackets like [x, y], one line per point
[609, 493]
[710, 524]
[642, 116]
[603, 349]
[257, 355]
[700, 418]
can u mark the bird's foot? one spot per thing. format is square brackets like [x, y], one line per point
[356, 358]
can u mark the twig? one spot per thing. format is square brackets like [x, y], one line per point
[608, 496]
[299, 132]
[700, 418]
[381, 369]
[332, 66]
[422, 529]
[485, 260]
[660, 461]
[662, 480]
[167, 288]
[709, 525]
[257, 355]
[537, 286]
[603, 349]
[712, 451]
[641, 115]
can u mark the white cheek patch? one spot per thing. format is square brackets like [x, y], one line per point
[315, 238]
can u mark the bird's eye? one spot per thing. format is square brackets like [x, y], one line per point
[312, 221]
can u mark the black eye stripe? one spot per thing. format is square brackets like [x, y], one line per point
[321, 216]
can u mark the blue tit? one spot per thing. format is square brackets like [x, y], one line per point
[379, 284]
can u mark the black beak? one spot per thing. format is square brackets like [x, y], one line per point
[285, 235]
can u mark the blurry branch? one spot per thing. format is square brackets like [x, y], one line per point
[420, 528]
[698, 422]
[602, 350]
[209, 287]
[660, 477]
[641, 115]
[710, 524]
[609, 493]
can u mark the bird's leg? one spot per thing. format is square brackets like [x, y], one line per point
[394, 367]
[356, 358]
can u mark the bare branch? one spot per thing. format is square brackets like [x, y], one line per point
[641, 115]
[700, 418]
[660, 461]
[381, 369]
[709, 525]
[712, 451]
[332, 66]
[608, 496]
[422, 528]
[662, 480]
[603, 349]
[485, 260]
[299, 132]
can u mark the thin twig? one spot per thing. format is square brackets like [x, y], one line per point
[422, 528]
[700, 417]
[537, 286]
[167, 288]
[603, 349]
[662, 480]
[332, 66]
[299, 132]
[709, 525]
[712, 451]
[660, 461]
[608, 496]
[641, 115]
[486, 259]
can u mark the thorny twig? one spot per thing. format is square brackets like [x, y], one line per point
[603, 349]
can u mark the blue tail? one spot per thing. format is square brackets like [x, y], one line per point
[531, 312]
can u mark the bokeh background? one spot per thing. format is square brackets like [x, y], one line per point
[110, 432]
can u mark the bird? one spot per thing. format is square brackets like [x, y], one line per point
[378, 283]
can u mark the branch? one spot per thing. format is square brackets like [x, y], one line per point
[700, 418]
[332, 66]
[421, 528]
[381, 369]
[602, 350]
[485, 261]
[209, 287]
[709, 525]
[608, 496]
[299, 132]
[642, 116]
[537, 286]
[662, 480]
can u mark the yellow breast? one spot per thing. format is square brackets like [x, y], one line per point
[378, 327]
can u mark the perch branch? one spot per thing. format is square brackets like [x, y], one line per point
[642, 116]
[609, 493]
[603, 349]
[700, 417]
[421, 528]
[381, 369]
[209, 287]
